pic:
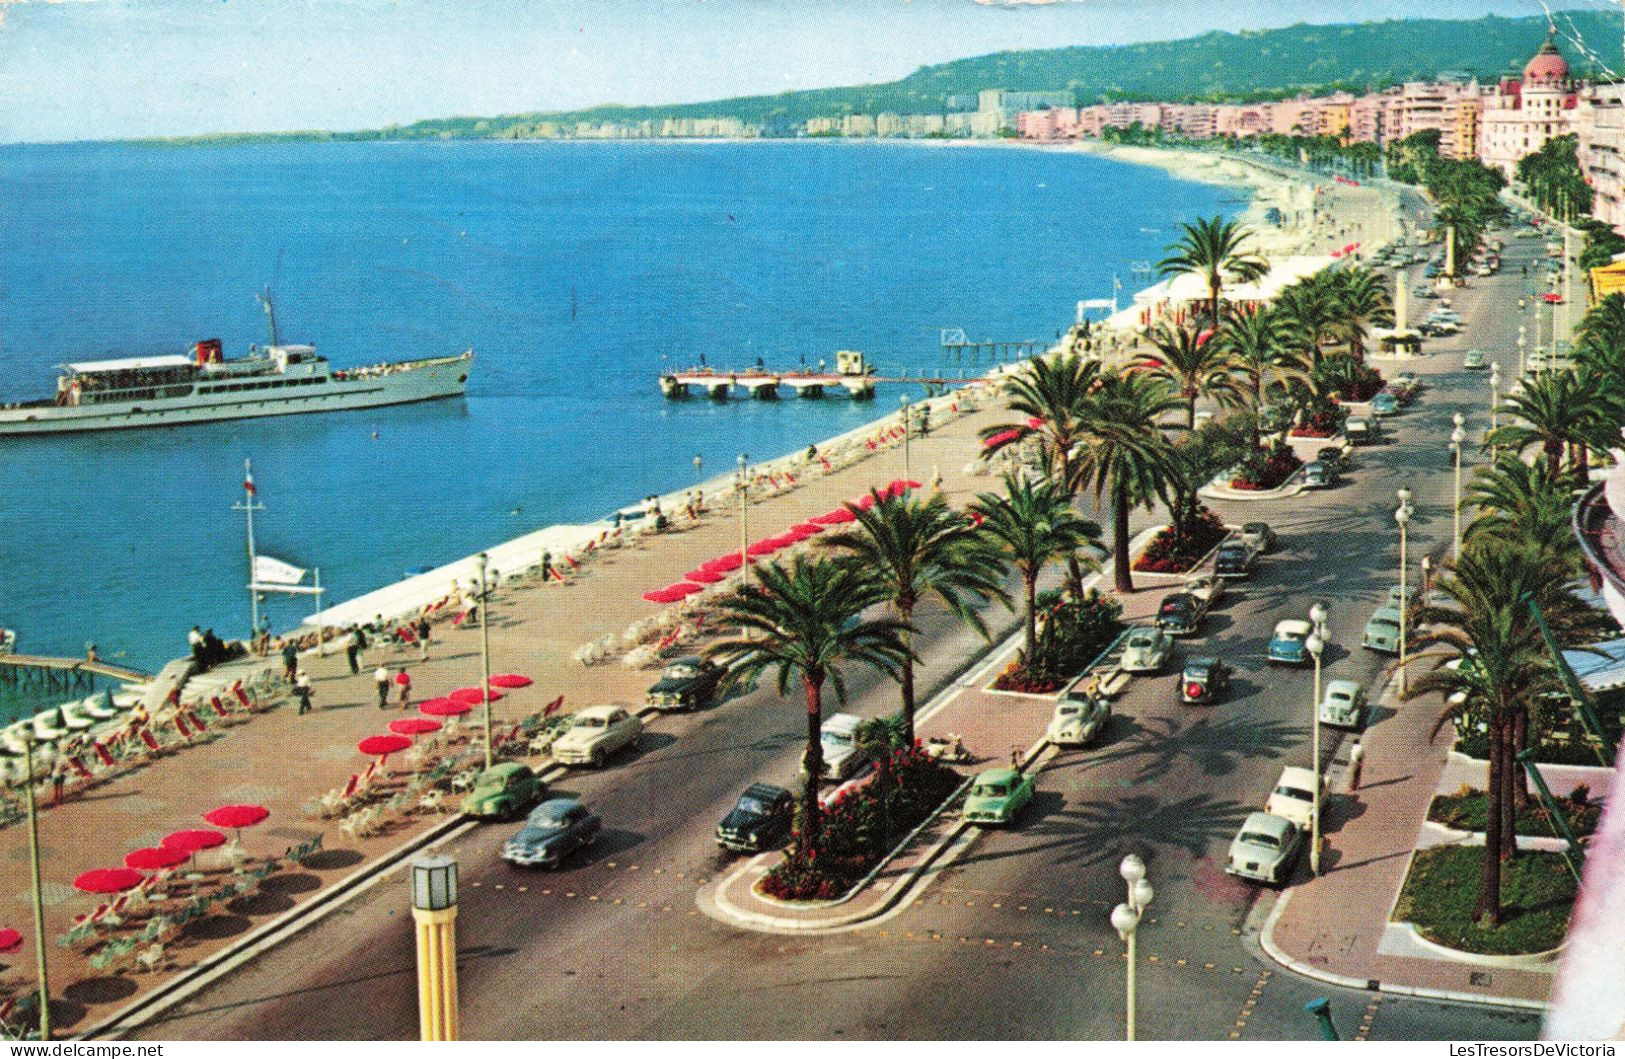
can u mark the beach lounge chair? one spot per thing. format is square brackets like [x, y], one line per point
[148, 957]
[46, 730]
[217, 706]
[242, 695]
[349, 788]
[73, 720]
[99, 707]
[180, 726]
[151, 741]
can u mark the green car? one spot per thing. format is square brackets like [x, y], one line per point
[1382, 631]
[504, 791]
[997, 795]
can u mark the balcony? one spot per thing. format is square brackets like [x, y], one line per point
[1601, 534]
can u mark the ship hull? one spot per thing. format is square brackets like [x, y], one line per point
[426, 380]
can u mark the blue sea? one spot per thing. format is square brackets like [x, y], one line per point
[577, 272]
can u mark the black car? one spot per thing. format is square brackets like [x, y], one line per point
[1204, 680]
[1258, 535]
[687, 684]
[1234, 559]
[553, 830]
[759, 820]
[1333, 455]
[1181, 614]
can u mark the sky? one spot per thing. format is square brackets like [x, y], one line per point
[106, 69]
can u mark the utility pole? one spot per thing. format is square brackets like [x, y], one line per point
[248, 506]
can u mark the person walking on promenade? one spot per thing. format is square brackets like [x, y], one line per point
[59, 780]
[380, 676]
[290, 660]
[403, 686]
[422, 630]
[352, 649]
[301, 690]
[262, 638]
[194, 639]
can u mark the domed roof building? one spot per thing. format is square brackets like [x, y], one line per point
[1523, 113]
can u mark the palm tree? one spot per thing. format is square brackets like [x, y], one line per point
[1192, 364]
[1309, 308]
[1522, 503]
[805, 621]
[1361, 302]
[914, 550]
[1215, 249]
[1034, 525]
[1557, 412]
[1257, 345]
[1125, 453]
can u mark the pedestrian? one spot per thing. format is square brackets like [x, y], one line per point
[380, 676]
[59, 780]
[301, 689]
[403, 683]
[262, 637]
[90, 653]
[290, 660]
[194, 639]
[547, 567]
[352, 649]
[423, 637]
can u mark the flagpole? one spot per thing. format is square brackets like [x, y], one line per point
[321, 644]
[248, 507]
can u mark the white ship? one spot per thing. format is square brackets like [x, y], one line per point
[204, 387]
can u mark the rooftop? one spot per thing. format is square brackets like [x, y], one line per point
[172, 360]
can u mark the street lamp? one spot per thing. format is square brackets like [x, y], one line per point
[26, 736]
[1495, 393]
[1402, 515]
[741, 479]
[1523, 339]
[434, 910]
[481, 562]
[1125, 919]
[1315, 645]
[1458, 437]
[903, 400]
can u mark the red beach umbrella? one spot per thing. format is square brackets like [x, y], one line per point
[658, 595]
[383, 745]
[724, 564]
[840, 518]
[414, 726]
[704, 576]
[807, 529]
[1001, 438]
[511, 680]
[108, 880]
[156, 857]
[684, 588]
[193, 840]
[766, 546]
[473, 695]
[864, 502]
[785, 540]
[237, 817]
[445, 708]
[831, 518]
[10, 940]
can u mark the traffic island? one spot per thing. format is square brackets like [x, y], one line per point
[1441, 891]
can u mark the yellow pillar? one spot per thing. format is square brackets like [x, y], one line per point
[437, 973]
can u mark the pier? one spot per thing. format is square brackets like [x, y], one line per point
[61, 674]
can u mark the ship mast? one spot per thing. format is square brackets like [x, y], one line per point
[248, 506]
[270, 316]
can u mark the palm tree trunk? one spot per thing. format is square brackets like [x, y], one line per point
[1213, 300]
[905, 611]
[1554, 457]
[1520, 741]
[1074, 578]
[1190, 416]
[1120, 562]
[1489, 883]
[1029, 579]
[812, 824]
[1509, 783]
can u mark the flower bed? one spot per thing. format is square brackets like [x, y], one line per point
[1261, 474]
[1468, 810]
[1070, 635]
[855, 829]
[1537, 895]
[1016, 677]
[1167, 554]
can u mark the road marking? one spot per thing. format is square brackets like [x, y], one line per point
[1250, 1003]
[1365, 1022]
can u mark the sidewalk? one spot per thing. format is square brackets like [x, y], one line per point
[1335, 928]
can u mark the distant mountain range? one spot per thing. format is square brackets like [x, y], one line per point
[1214, 67]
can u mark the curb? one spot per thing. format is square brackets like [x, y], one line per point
[1214, 491]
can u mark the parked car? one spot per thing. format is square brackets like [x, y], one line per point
[1406, 380]
[1293, 797]
[554, 830]
[1343, 704]
[1147, 649]
[686, 684]
[1360, 431]
[1234, 559]
[504, 791]
[1439, 328]
[1209, 588]
[1258, 536]
[1475, 359]
[759, 820]
[838, 739]
[997, 795]
[1410, 594]
[1181, 614]
[1425, 291]
[1317, 475]
[597, 733]
[1382, 631]
[1384, 403]
[1080, 718]
[1264, 849]
[1288, 643]
[1204, 681]
[1333, 456]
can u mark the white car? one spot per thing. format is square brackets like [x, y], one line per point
[1264, 848]
[1208, 588]
[595, 733]
[1343, 704]
[1146, 650]
[838, 738]
[1080, 718]
[1294, 795]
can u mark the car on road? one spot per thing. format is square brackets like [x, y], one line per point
[1204, 681]
[1258, 536]
[1293, 797]
[838, 738]
[1425, 291]
[1147, 649]
[1080, 718]
[596, 734]
[1439, 328]
[1265, 849]
[1334, 456]
[1410, 594]
[1405, 380]
[1343, 704]
[1382, 631]
[997, 795]
[553, 830]
[1384, 403]
[1234, 559]
[504, 791]
[1318, 475]
[1181, 614]
[1475, 360]
[687, 684]
[1288, 643]
[759, 820]
[1360, 431]
[1209, 588]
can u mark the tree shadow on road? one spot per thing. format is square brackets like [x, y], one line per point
[1217, 744]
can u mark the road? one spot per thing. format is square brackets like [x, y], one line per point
[1013, 941]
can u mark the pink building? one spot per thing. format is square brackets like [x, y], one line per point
[1522, 114]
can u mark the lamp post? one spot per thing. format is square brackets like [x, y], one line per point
[1321, 1009]
[481, 563]
[1125, 918]
[1316, 644]
[1402, 515]
[26, 736]
[903, 401]
[434, 911]
[1458, 437]
[741, 479]
[1495, 394]
[1523, 339]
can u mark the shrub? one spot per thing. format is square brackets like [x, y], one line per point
[1169, 553]
[1263, 471]
[1070, 636]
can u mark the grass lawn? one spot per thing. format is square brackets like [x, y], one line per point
[1470, 812]
[1537, 895]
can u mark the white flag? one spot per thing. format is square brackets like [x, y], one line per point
[276, 572]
